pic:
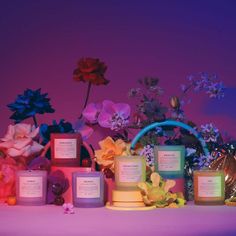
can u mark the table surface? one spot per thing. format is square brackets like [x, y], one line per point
[50, 220]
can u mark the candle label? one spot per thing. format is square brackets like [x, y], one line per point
[31, 186]
[65, 148]
[169, 160]
[209, 186]
[88, 187]
[130, 171]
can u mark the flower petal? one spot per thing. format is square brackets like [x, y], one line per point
[123, 109]
[15, 152]
[22, 130]
[34, 132]
[7, 144]
[10, 133]
[104, 120]
[21, 143]
[92, 111]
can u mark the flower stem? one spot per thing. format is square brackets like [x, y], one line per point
[87, 97]
[35, 121]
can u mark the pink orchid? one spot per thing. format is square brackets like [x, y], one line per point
[19, 141]
[114, 115]
[91, 112]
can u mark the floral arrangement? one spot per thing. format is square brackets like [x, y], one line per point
[20, 148]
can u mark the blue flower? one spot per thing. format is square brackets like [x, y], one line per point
[61, 127]
[203, 161]
[209, 132]
[216, 90]
[29, 104]
[148, 153]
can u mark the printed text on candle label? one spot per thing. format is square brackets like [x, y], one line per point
[209, 186]
[87, 187]
[31, 187]
[130, 171]
[169, 160]
[65, 148]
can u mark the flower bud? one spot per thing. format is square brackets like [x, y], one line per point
[174, 102]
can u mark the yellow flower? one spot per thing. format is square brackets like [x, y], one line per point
[109, 149]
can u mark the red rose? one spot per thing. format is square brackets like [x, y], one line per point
[91, 70]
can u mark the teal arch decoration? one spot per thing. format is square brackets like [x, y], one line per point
[171, 123]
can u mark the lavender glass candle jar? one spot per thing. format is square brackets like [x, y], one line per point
[31, 187]
[88, 189]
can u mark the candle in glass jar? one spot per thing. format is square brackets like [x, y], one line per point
[88, 189]
[169, 161]
[129, 171]
[65, 149]
[209, 187]
[31, 187]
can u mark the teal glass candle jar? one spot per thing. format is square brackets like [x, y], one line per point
[169, 161]
[88, 189]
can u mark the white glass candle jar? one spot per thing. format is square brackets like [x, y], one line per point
[31, 187]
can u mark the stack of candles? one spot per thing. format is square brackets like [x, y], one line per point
[129, 171]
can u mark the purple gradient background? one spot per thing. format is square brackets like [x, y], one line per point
[41, 42]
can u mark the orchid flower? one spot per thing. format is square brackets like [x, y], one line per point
[68, 208]
[114, 115]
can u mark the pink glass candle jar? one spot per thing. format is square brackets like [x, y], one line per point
[31, 187]
[88, 189]
[65, 149]
[209, 187]
[129, 171]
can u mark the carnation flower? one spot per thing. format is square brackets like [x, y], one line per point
[91, 70]
[8, 168]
